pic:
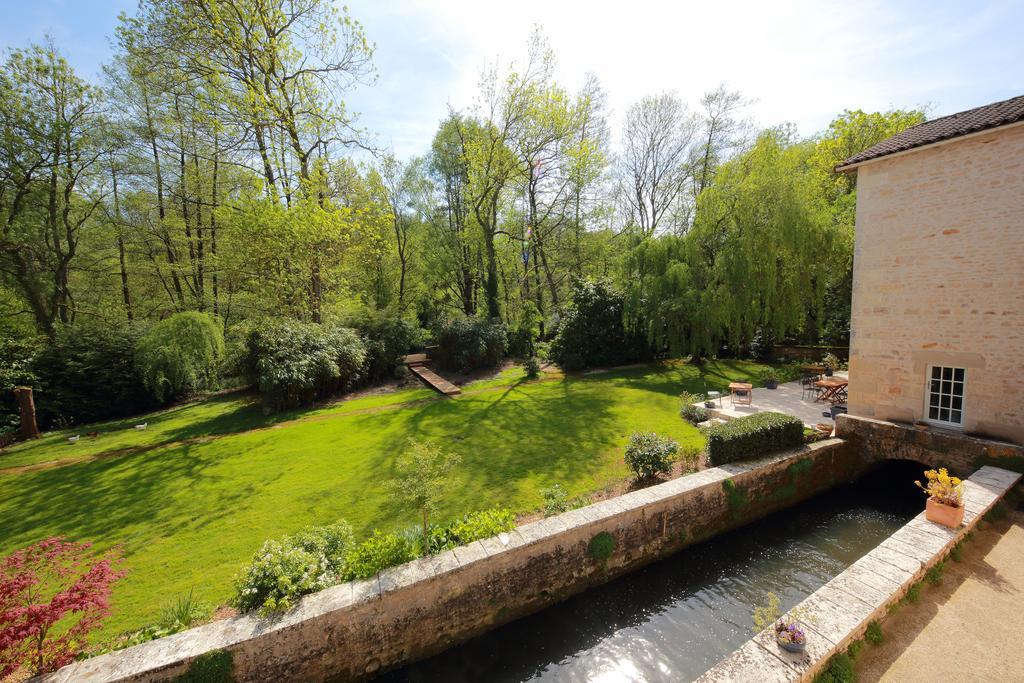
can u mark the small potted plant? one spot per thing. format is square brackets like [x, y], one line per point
[945, 504]
[831, 363]
[790, 635]
[770, 378]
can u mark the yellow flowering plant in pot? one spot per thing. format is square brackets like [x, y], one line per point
[945, 498]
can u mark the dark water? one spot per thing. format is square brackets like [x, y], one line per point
[674, 620]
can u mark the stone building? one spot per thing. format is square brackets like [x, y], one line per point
[938, 276]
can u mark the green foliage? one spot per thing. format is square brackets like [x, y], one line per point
[914, 592]
[752, 436]
[388, 338]
[854, 648]
[471, 527]
[557, 500]
[180, 355]
[294, 364]
[934, 573]
[767, 614]
[209, 667]
[184, 612]
[16, 357]
[421, 480]
[689, 409]
[531, 366]
[839, 670]
[523, 337]
[874, 634]
[592, 331]
[377, 553]
[469, 342]
[601, 547]
[648, 455]
[87, 374]
[296, 565]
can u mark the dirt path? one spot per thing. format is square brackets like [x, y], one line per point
[969, 627]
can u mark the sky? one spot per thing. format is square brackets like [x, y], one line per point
[798, 62]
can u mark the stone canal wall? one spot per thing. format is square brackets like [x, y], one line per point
[961, 453]
[839, 612]
[406, 613]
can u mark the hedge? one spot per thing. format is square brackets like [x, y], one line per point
[752, 436]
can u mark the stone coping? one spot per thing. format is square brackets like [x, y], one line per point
[151, 660]
[839, 612]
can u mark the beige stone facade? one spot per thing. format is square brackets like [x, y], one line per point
[939, 281]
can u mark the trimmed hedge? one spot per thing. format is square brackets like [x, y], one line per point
[752, 436]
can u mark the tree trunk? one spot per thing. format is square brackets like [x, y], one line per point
[27, 407]
[126, 296]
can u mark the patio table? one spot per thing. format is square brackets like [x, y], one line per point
[834, 389]
[741, 393]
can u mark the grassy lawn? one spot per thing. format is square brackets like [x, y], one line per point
[189, 512]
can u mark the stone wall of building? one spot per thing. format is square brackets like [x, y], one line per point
[410, 612]
[939, 280]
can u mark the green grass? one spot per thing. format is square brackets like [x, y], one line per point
[189, 515]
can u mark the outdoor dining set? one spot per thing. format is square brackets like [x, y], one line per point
[821, 387]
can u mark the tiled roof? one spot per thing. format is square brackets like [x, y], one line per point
[952, 126]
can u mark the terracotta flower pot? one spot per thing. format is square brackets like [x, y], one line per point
[946, 515]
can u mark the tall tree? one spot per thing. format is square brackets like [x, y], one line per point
[52, 144]
[654, 167]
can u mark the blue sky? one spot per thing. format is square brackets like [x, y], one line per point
[800, 62]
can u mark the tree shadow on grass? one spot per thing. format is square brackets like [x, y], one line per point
[103, 500]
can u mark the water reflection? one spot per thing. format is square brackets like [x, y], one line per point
[673, 620]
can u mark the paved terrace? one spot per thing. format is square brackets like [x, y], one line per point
[788, 399]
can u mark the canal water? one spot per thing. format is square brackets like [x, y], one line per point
[673, 620]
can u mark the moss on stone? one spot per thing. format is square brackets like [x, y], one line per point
[735, 496]
[601, 547]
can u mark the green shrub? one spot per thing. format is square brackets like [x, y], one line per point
[471, 527]
[557, 500]
[839, 670]
[469, 342]
[387, 338]
[854, 649]
[914, 593]
[296, 565]
[752, 436]
[592, 331]
[180, 355]
[532, 367]
[648, 455]
[88, 374]
[689, 410]
[874, 634]
[376, 554]
[209, 667]
[294, 364]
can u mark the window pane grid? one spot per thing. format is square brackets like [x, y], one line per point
[946, 394]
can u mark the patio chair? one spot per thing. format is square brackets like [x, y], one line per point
[808, 390]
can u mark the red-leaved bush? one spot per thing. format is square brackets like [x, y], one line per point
[51, 595]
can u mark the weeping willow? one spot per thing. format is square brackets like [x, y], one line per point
[756, 260]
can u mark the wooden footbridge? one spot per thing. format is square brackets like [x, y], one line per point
[417, 364]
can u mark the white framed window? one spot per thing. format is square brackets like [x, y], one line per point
[944, 396]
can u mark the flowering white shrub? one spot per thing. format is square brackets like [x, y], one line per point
[283, 570]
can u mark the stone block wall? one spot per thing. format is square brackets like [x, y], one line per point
[939, 280]
[961, 454]
[410, 612]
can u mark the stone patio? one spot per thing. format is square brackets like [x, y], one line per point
[788, 399]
